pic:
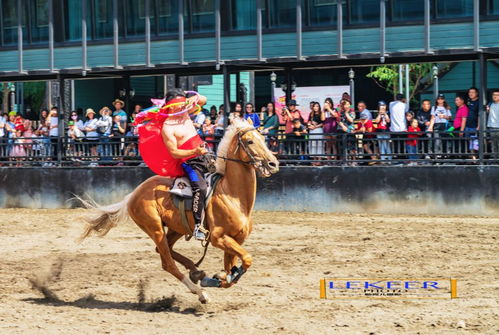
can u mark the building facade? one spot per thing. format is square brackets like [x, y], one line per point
[127, 48]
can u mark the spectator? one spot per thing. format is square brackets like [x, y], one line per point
[104, 125]
[27, 135]
[208, 133]
[347, 117]
[460, 122]
[297, 136]
[18, 152]
[409, 116]
[473, 120]
[440, 116]
[270, 128]
[118, 105]
[213, 113]
[137, 109]
[330, 127]
[382, 126]
[219, 123]
[75, 136]
[289, 114]
[362, 127]
[316, 133]
[91, 135]
[199, 121]
[44, 142]
[76, 119]
[117, 136]
[411, 145]
[493, 123]
[238, 110]
[398, 122]
[424, 117]
[44, 114]
[250, 114]
[53, 125]
[362, 109]
[3, 148]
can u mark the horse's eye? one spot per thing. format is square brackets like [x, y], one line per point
[250, 142]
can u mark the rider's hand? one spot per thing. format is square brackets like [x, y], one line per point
[201, 150]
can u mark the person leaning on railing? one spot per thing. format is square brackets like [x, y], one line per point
[330, 128]
[361, 128]
[440, 116]
[271, 127]
[423, 115]
[459, 124]
[316, 134]
[493, 123]
[91, 135]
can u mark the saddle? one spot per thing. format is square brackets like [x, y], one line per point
[182, 196]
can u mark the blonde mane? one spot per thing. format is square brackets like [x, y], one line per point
[236, 125]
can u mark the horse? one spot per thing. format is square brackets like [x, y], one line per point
[242, 153]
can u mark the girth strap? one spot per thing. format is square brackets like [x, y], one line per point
[183, 217]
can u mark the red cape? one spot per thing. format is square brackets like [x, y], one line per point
[155, 154]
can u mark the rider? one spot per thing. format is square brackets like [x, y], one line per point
[184, 143]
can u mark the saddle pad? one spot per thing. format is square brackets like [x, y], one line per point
[182, 186]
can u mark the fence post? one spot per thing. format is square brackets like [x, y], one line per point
[482, 103]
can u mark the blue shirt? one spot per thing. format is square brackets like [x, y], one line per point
[254, 117]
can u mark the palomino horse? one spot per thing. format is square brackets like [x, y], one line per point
[241, 153]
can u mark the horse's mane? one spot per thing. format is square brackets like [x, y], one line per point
[236, 124]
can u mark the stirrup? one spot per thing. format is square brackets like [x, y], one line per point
[201, 234]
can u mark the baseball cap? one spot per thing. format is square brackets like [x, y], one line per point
[441, 96]
[381, 103]
[292, 102]
[71, 123]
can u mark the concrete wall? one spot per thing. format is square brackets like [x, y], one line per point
[460, 190]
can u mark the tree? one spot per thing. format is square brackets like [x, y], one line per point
[420, 77]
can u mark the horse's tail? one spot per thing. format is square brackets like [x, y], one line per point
[104, 218]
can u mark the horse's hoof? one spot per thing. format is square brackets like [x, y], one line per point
[210, 282]
[222, 275]
[196, 276]
[203, 298]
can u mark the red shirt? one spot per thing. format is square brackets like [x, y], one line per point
[368, 126]
[411, 129]
[462, 112]
[289, 122]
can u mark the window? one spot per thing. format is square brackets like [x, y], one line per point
[244, 14]
[202, 15]
[494, 7]
[454, 8]
[135, 17]
[72, 16]
[39, 20]
[282, 13]
[364, 11]
[10, 17]
[167, 16]
[403, 10]
[102, 18]
[323, 12]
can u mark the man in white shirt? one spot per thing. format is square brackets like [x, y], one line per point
[398, 122]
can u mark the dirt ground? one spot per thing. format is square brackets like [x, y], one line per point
[115, 285]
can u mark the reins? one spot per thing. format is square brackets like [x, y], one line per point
[252, 160]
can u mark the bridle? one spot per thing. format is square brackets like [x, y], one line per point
[244, 146]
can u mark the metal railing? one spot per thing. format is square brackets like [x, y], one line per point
[379, 148]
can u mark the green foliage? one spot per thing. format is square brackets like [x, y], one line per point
[420, 77]
[34, 94]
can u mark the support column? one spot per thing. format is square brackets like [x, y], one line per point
[180, 14]
[62, 104]
[84, 37]
[148, 32]
[339, 27]
[116, 35]
[51, 35]
[259, 39]
[226, 75]
[299, 52]
[238, 83]
[483, 102]
[289, 83]
[382, 30]
[20, 52]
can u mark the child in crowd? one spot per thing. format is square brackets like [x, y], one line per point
[411, 145]
[209, 132]
[18, 151]
[365, 126]
[409, 116]
[298, 133]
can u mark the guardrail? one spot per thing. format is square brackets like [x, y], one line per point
[382, 148]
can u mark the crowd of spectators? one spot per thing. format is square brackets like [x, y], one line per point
[319, 134]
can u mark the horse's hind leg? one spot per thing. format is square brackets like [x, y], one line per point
[152, 225]
[194, 273]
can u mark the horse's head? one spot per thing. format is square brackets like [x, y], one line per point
[254, 151]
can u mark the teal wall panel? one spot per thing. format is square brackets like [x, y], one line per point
[36, 59]
[452, 36]
[357, 41]
[163, 52]
[8, 61]
[239, 47]
[100, 55]
[279, 45]
[319, 43]
[214, 92]
[489, 34]
[68, 58]
[405, 38]
[200, 49]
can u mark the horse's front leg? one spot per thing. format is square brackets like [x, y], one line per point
[232, 250]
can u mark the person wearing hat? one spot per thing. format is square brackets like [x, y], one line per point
[91, 135]
[381, 126]
[291, 113]
[366, 126]
[118, 105]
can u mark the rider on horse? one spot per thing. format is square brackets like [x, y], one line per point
[183, 142]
